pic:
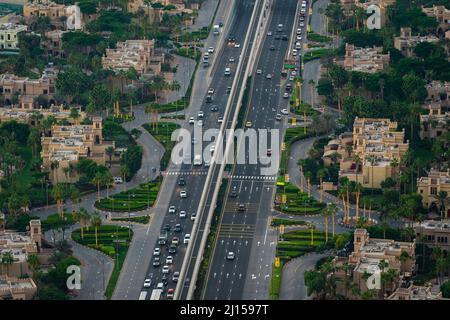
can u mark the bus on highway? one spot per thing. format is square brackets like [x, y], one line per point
[156, 294]
[143, 295]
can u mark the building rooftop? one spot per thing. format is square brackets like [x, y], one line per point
[12, 27]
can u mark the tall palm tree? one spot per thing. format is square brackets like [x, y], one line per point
[333, 210]
[326, 213]
[373, 160]
[358, 162]
[358, 188]
[96, 222]
[74, 194]
[7, 260]
[98, 181]
[311, 228]
[81, 216]
[59, 193]
[308, 176]
[320, 175]
[109, 152]
[442, 196]
[54, 165]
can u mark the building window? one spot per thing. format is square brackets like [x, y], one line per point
[433, 190]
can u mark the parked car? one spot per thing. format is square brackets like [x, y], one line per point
[284, 111]
[177, 228]
[175, 240]
[193, 216]
[210, 50]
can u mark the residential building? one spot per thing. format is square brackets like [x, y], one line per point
[36, 116]
[374, 256]
[9, 35]
[139, 54]
[439, 92]
[177, 7]
[336, 149]
[25, 89]
[406, 42]
[45, 8]
[70, 143]
[409, 291]
[21, 245]
[53, 44]
[434, 233]
[435, 123]
[442, 15]
[369, 60]
[377, 143]
[12, 288]
[430, 186]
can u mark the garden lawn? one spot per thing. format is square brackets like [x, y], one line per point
[162, 131]
[135, 199]
[287, 222]
[117, 250]
[297, 243]
[296, 202]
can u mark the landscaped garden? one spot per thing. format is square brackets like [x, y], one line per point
[136, 199]
[297, 202]
[113, 241]
[317, 54]
[162, 131]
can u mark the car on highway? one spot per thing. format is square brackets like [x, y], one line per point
[231, 59]
[284, 37]
[182, 214]
[220, 120]
[230, 255]
[293, 73]
[259, 71]
[228, 90]
[156, 262]
[227, 71]
[172, 209]
[299, 31]
[156, 252]
[211, 91]
[291, 78]
[209, 99]
[118, 180]
[147, 283]
[200, 123]
[214, 108]
[183, 194]
[175, 276]
[277, 37]
[302, 24]
[285, 95]
[200, 115]
[181, 181]
[233, 194]
[269, 33]
[173, 249]
[160, 286]
[166, 227]
[164, 280]
[170, 294]
[175, 240]
[169, 260]
[269, 76]
[284, 111]
[210, 50]
[187, 237]
[299, 38]
[272, 48]
[165, 269]
[237, 45]
[194, 141]
[248, 124]
[269, 152]
[177, 228]
[294, 52]
[191, 120]
[288, 87]
[278, 117]
[241, 207]
[298, 45]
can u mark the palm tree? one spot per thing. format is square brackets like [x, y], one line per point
[109, 151]
[308, 176]
[98, 181]
[320, 175]
[74, 194]
[442, 196]
[333, 210]
[59, 193]
[311, 228]
[54, 165]
[301, 163]
[358, 162]
[81, 216]
[341, 195]
[124, 172]
[108, 181]
[394, 164]
[358, 188]
[96, 222]
[326, 213]
[373, 160]
[7, 260]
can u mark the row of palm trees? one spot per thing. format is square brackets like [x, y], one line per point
[86, 220]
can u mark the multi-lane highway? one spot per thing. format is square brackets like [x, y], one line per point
[226, 279]
[195, 176]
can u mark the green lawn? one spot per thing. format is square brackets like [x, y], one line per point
[141, 219]
[318, 38]
[287, 222]
[275, 282]
[296, 202]
[163, 133]
[316, 54]
[117, 250]
[135, 199]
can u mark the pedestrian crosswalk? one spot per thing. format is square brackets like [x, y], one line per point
[234, 177]
[236, 230]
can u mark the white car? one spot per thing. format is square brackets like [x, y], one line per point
[187, 237]
[191, 120]
[156, 252]
[200, 123]
[302, 24]
[183, 194]
[291, 78]
[285, 95]
[259, 71]
[220, 120]
[165, 269]
[193, 216]
[293, 73]
[147, 283]
[294, 52]
[212, 149]
[169, 260]
[230, 255]
[268, 76]
[269, 33]
[172, 209]
[200, 114]
[284, 111]
[211, 91]
[231, 59]
[237, 45]
[183, 214]
[118, 180]
[210, 50]
[299, 38]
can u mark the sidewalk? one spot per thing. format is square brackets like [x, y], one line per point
[205, 15]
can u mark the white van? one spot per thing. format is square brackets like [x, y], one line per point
[227, 71]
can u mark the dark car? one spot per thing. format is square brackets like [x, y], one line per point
[164, 280]
[288, 87]
[181, 181]
[233, 194]
[228, 90]
[173, 249]
[214, 108]
[241, 207]
[166, 227]
[284, 37]
[277, 37]
[177, 228]
[208, 98]
[272, 48]
[156, 262]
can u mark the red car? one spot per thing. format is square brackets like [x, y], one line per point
[170, 294]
